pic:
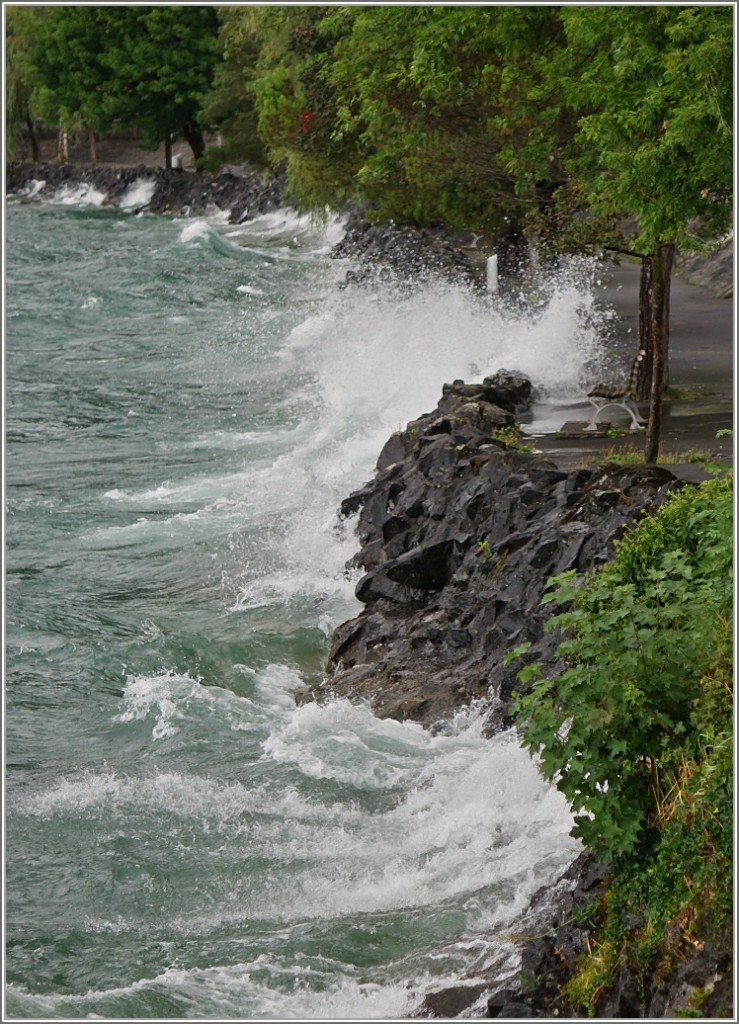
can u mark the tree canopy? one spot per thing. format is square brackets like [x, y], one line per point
[574, 121]
[481, 114]
[654, 135]
[122, 66]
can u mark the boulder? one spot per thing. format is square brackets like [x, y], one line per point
[459, 535]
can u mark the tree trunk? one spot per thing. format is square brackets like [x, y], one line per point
[168, 152]
[93, 148]
[667, 257]
[649, 315]
[646, 342]
[659, 327]
[33, 139]
[195, 140]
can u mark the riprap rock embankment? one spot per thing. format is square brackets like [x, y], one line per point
[172, 191]
[459, 535]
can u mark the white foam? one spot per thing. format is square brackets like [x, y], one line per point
[173, 701]
[346, 742]
[374, 361]
[34, 187]
[315, 236]
[453, 824]
[194, 230]
[474, 820]
[79, 195]
[473, 808]
[269, 989]
[138, 195]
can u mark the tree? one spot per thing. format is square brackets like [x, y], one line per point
[129, 66]
[406, 109]
[21, 99]
[230, 103]
[161, 62]
[653, 88]
[70, 64]
[297, 104]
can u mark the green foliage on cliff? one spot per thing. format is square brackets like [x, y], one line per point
[637, 730]
[616, 728]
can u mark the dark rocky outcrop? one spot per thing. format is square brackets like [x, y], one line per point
[401, 254]
[459, 535]
[175, 192]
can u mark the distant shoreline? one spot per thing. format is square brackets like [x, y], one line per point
[176, 192]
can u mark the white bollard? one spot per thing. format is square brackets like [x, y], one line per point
[492, 273]
[177, 162]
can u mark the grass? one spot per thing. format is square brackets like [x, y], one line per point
[630, 455]
[511, 437]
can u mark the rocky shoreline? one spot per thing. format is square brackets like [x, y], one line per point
[459, 533]
[403, 252]
[173, 192]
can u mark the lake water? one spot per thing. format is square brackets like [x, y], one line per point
[187, 403]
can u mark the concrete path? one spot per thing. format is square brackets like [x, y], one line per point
[702, 341]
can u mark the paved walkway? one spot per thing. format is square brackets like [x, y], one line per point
[702, 336]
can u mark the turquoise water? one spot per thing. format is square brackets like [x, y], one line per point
[187, 402]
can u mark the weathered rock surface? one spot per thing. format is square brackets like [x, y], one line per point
[713, 270]
[175, 192]
[459, 535]
[387, 251]
[559, 927]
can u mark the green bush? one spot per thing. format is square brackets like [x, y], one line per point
[624, 728]
[637, 732]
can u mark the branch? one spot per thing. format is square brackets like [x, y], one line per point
[626, 252]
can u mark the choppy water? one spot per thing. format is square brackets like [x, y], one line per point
[186, 404]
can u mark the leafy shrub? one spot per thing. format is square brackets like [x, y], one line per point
[623, 728]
